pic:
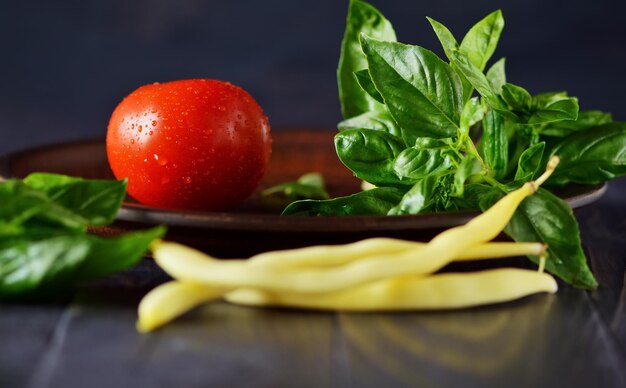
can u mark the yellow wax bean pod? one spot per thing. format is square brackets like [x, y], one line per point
[170, 300]
[332, 255]
[498, 250]
[167, 302]
[335, 255]
[186, 264]
[436, 292]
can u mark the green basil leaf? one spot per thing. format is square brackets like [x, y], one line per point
[447, 40]
[422, 92]
[542, 100]
[370, 154]
[469, 166]
[61, 261]
[95, 201]
[495, 144]
[376, 201]
[481, 40]
[418, 198]
[429, 142]
[479, 81]
[472, 195]
[22, 203]
[496, 75]
[543, 217]
[585, 120]
[377, 120]
[450, 45]
[365, 82]
[563, 109]
[529, 162]
[591, 156]
[472, 113]
[415, 163]
[308, 186]
[362, 19]
[517, 98]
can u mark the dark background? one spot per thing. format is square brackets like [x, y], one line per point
[66, 64]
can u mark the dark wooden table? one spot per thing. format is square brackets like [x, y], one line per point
[573, 338]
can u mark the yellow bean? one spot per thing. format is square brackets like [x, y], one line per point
[170, 300]
[442, 291]
[377, 282]
[334, 255]
[187, 264]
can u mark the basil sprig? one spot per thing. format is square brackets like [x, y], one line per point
[44, 243]
[454, 134]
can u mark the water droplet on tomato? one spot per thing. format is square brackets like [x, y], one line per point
[132, 141]
[221, 108]
[150, 133]
[187, 179]
[153, 110]
[140, 128]
[154, 123]
[145, 160]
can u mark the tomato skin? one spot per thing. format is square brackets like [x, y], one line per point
[195, 144]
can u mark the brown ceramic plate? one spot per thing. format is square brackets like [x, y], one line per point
[253, 227]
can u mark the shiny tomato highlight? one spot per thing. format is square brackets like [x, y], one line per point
[195, 144]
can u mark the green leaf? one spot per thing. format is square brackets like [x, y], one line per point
[469, 166]
[308, 186]
[416, 163]
[377, 120]
[479, 81]
[377, 201]
[450, 45]
[365, 82]
[362, 19]
[22, 204]
[543, 217]
[565, 109]
[422, 92]
[529, 162]
[447, 40]
[591, 156]
[95, 201]
[417, 199]
[517, 98]
[370, 154]
[472, 113]
[496, 75]
[495, 144]
[585, 120]
[481, 40]
[472, 195]
[542, 100]
[61, 261]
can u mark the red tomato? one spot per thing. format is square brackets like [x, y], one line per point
[194, 144]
